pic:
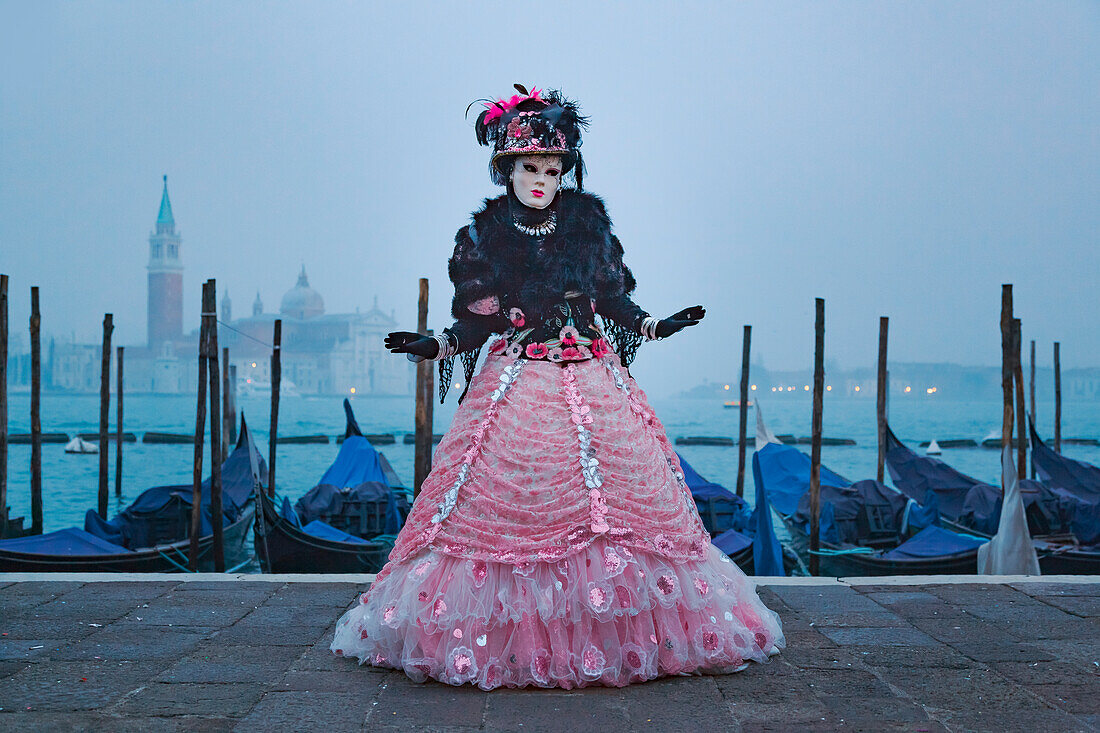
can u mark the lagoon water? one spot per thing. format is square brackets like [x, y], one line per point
[70, 481]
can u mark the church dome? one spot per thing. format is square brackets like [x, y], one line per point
[302, 301]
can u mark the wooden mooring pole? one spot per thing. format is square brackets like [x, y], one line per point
[217, 450]
[3, 406]
[232, 406]
[882, 385]
[815, 436]
[425, 381]
[1006, 371]
[226, 447]
[1031, 385]
[36, 414]
[104, 409]
[119, 352]
[744, 410]
[200, 434]
[276, 377]
[1057, 397]
[1021, 410]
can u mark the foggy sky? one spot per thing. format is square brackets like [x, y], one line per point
[898, 159]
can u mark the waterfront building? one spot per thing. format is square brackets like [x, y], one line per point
[322, 353]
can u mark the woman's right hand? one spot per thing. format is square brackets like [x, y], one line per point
[406, 342]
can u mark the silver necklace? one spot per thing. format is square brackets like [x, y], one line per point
[539, 230]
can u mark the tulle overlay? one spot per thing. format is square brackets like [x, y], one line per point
[556, 544]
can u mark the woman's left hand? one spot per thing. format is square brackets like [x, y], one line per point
[680, 320]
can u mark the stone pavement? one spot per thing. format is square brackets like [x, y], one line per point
[195, 653]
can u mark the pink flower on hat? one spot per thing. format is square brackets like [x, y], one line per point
[537, 351]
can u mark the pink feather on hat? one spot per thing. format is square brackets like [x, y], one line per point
[499, 107]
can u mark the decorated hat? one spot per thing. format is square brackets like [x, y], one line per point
[532, 123]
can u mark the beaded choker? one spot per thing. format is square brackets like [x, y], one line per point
[537, 230]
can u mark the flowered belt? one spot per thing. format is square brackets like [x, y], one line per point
[570, 345]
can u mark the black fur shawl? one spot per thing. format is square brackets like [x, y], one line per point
[492, 257]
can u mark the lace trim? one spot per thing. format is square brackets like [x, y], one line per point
[624, 341]
[450, 499]
[590, 465]
[446, 372]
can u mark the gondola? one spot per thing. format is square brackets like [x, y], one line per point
[345, 524]
[152, 535]
[725, 516]
[864, 526]
[1079, 483]
[971, 506]
[729, 519]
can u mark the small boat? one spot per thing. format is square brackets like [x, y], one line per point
[865, 528]
[345, 524]
[736, 403]
[973, 507]
[152, 535]
[933, 449]
[993, 440]
[952, 443]
[80, 446]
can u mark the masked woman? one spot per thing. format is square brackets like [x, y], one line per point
[555, 542]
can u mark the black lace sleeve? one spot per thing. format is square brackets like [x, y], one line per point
[622, 317]
[471, 333]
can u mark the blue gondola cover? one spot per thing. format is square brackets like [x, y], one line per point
[1077, 477]
[915, 475]
[70, 541]
[731, 542]
[767, 554]
[719, 508]
[359, 493]
[851, 514]
[319, 529]
[162, 514]
[933, 542]
[786, 471]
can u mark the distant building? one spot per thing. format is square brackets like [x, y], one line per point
[339, 353]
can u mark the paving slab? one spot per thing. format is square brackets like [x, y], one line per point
[308, 710]
[245, 654]
[159, 699]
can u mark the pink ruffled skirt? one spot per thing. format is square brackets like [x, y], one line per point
[556, 544]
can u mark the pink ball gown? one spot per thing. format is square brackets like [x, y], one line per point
[555, 544]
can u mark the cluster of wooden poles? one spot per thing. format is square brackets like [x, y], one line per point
[220, 382]
[1011, 375]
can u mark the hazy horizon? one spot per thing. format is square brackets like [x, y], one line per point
[899, 159]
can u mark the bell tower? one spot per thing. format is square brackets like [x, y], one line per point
[165, 305]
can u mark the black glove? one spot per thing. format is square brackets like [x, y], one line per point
[679, 320]
[413, 344]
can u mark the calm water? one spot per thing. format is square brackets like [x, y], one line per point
[70, 481]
